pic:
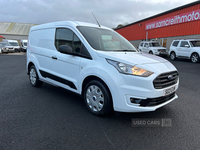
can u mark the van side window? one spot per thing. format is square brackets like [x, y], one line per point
[67, 37]
[63, 37]
[76, 44]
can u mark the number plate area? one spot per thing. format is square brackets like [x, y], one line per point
[169, 90]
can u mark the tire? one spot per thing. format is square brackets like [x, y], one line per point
[33, 77]
[172, 56]
[97, 98]
[151, 52]
[194, 57]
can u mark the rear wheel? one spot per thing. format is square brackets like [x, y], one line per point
[97, 98]
[194, 58]
[172, 56]
[33, 77]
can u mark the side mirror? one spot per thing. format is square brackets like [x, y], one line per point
[66, 49]
[187, 46]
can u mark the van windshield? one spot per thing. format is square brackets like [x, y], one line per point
[6, 44]
[14, 43]
[105, 40]
[25, 43]
[154, 44]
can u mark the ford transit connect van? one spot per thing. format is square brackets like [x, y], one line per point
[102, 66]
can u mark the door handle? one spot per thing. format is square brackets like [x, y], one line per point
[54, 57]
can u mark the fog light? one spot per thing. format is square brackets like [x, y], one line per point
[135, 100]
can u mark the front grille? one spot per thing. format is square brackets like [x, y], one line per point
[156, 101]
[165, 80]
[162, 50]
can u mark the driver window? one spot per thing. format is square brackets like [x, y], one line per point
[67, 37]
[63, 37]
[76, 44]
[183, 43]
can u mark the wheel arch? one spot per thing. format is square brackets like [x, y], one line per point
[92, 77]
[150, 51]
[29, 65]
[173, 52]
[194, 53]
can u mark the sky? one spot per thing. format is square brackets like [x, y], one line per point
[109, 13]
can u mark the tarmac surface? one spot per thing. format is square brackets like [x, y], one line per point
[54, 118]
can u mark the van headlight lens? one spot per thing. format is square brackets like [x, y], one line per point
[128, 69]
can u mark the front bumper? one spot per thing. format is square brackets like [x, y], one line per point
[4, 50]
[145, 96]
[11, 50]
[161, 53]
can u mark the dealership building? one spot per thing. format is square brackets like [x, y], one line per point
[14, 31]
[179, 23]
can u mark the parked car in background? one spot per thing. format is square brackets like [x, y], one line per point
[185, 48]
[6, 47]
[152, 47]
[101, 65]
[23, 45]
[14, 43]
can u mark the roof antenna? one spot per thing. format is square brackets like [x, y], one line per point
[96, 20]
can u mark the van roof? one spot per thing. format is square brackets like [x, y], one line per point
[66, 23]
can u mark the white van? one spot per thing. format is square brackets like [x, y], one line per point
[102, 66]
[23, 45]
[14, 43]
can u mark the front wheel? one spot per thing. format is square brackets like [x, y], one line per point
[151, 52]
[97, 98]
[172, 56]
[33, 77]
[194, 58]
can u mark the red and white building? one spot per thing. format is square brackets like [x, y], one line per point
[179, 23]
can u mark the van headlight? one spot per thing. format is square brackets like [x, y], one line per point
[128, 69]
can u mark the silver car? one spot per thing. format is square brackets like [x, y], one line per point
[6, 47]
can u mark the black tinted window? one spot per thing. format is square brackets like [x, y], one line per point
[141, 44]
[154, 45]
[146, 44]
[67, 37]
[76, 44]
[175, 43]
[195, 43]
[183, 43]
[63, 37]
